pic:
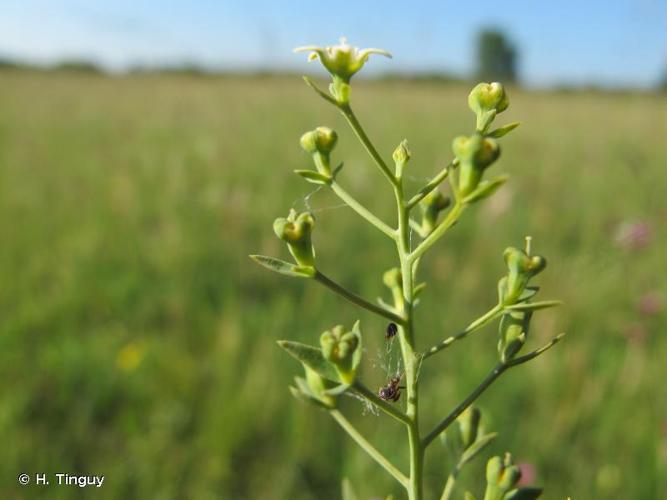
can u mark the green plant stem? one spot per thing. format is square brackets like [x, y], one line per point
[351, 118]
[355, 299]
[362, 210]
[523, 359]
[498, 370]
[369, 448]
[406, 334]
[451, 219]
[369, 395]
[406, 338]
[449, 485]
[431, 185]
[489, 316]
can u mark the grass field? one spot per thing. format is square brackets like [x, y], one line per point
[137, 340]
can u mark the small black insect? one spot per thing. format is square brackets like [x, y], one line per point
[391, 331]
[392, 391]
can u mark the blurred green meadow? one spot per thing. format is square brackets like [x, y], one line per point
[138, 341]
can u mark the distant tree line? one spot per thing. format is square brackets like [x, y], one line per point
[496, 57]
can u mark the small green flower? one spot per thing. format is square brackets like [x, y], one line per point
[475, 154]
[319, 143]
[343, 350]
[341, 60]
[521, 267]
[295, 230]
[431, 206]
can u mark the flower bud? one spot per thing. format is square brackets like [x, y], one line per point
[401, 157]
[469, 426]
[513, 330]
[475, 154]
[431, 206]
[322, 140]
[521, 267]
[501, 476]
[319, 143]
[295, 230]
[488, 96]
[486, 100]
[343, 350]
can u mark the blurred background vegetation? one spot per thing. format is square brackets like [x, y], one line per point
[137, 340]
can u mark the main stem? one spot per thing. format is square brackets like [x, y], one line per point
[406, 334]
[415, 487]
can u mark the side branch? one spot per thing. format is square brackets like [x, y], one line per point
[367, 394]
[355, 299]
[369, 448]
[498, 370]
[490, 378]
[351, 118]
[489, 316]
[432, 184]
[362, 210]
[522, 359]
[451, 219]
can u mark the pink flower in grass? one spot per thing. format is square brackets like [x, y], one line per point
[650, 303]
[633, 235]
[528, 474]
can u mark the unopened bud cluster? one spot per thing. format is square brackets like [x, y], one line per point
[319, 143]
[341, 348]
[477, 152]
[296, 230]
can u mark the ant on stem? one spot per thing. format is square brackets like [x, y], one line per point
[392, 391]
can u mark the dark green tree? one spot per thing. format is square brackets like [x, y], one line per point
[496, 57]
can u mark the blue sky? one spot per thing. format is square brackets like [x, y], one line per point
[620, 42]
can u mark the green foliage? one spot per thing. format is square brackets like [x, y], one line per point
[496, 57]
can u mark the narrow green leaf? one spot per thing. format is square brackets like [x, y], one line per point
[534, 306]
[348, 491]
[504, 130]
[529, 493]
[314, 177]
[468, 496]
[486, 189]
[311, 357]
[282, 267]
[477, 447]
